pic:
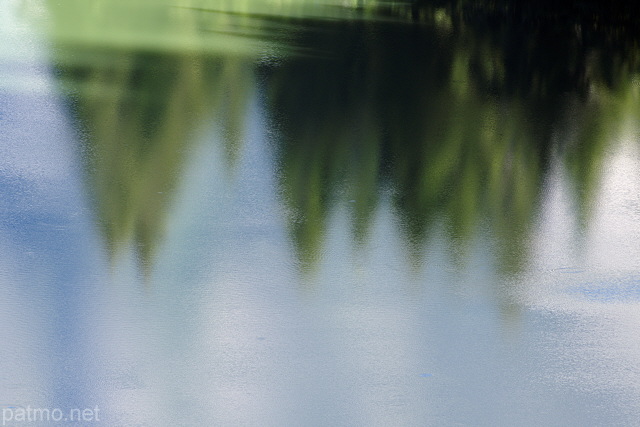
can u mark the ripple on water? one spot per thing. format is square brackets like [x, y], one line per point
[625, 289]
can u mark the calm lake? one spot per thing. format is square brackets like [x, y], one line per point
[318, 213]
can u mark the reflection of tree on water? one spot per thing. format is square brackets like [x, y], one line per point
[460, 120]
[458, 115]
[140, 113]
[144, 77]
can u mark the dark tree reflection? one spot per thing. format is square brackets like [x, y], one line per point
[455, 108]
[459, 114]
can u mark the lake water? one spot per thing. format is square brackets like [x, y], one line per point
[302, 213]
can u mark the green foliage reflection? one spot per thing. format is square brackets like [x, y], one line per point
[460, 115]
[140, 113]
[456, 108]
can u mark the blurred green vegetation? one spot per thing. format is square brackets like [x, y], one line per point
[460, 114]
[141, 88]
[456, 108]
[139, 114]
[395, 107]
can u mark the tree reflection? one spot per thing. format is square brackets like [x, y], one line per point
[140, 113]
[460, 116]
[455, 108]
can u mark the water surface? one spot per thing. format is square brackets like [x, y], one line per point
[316, 213]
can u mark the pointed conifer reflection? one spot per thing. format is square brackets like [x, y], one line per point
[460, 119]
[140, 113]
[456, 111]
[142, 79]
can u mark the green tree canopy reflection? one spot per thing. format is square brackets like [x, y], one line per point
[460, 115]
[455, 108]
